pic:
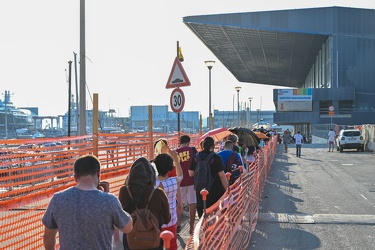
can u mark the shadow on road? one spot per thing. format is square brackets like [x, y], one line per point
[278, 197]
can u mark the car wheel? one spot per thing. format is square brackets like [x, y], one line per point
[341, 149]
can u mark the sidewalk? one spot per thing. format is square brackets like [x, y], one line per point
[313, 203]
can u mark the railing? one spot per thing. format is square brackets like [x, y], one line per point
[30, 173]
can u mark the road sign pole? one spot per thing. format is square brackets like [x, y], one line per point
[178, 114]
[331, 112]
[331, 121]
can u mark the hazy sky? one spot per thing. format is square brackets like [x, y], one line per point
[130, 46]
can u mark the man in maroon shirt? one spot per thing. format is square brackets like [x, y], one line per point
[185, 155]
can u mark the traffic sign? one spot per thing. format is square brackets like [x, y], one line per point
[331, 113]
[331, 108]
[177, 77]
[177, 100]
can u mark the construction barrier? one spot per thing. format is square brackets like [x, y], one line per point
[32, 170]
[368, 133]
[229, 223]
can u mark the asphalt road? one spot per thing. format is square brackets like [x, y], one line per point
[323, 200]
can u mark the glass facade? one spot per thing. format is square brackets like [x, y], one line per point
[344, 69]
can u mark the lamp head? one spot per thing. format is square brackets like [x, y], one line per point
[250, 99]
[238, 88]
[209, 64]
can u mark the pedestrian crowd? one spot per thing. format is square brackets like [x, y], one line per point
[299, 140]
[153, 199]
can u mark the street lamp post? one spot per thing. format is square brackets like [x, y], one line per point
[238, 88]
[250, 99]
[209, 65]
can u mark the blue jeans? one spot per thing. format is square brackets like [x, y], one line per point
[298, 150]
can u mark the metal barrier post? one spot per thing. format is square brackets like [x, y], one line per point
[204, 194]
[167, 236]
[228, 175]
[241, 171]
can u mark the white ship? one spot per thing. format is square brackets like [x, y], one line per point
[13, 118]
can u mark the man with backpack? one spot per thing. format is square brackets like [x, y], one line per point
[232, 160]
[207, 167]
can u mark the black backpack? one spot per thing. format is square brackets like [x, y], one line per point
[232, 166]
[146, 231]
[202, 174]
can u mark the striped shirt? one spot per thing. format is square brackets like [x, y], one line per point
[170, 188]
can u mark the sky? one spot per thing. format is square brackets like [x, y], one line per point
[130, 50]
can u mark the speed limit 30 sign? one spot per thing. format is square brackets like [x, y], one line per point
[177, 101]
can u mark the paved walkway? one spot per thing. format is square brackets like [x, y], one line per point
[184, 234]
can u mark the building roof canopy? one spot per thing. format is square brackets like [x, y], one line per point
[262, 56]
[273, 47]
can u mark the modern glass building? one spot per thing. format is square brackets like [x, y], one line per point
[326, 53]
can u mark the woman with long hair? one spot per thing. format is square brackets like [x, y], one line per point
[141, 182]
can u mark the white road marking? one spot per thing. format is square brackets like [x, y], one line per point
[347, 164]
[359, 219]
[363, 196]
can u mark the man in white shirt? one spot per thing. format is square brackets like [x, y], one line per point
[331, 140]
[299, 140]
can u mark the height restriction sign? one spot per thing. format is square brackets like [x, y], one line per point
[177, 101]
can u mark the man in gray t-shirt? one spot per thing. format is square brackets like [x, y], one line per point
[84, 216]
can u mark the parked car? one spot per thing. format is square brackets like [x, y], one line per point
[350, 139]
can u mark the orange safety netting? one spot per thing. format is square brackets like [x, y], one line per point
[229, 223]
[32, 170]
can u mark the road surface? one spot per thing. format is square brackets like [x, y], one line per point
[323, 200]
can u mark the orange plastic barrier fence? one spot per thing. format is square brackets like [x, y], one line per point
[32, 170]
[229, 223]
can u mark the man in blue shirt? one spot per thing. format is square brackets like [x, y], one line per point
[227, 152]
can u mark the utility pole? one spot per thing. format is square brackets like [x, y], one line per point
[238, 88]
[69, 97]
[82, 71]
[6, 114]
[77, 98]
